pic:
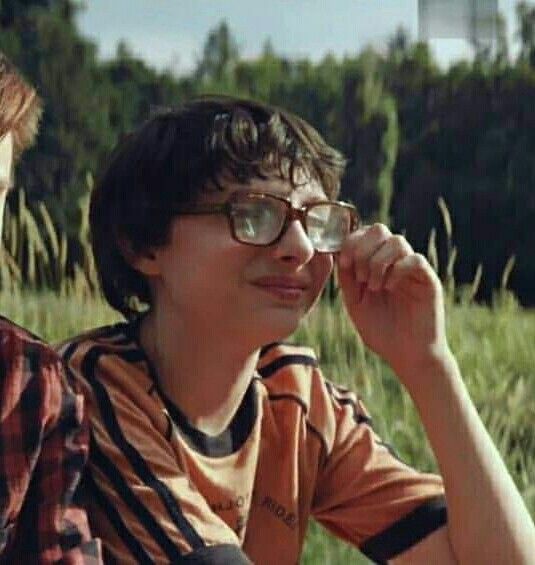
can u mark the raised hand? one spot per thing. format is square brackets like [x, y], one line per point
[393, 297]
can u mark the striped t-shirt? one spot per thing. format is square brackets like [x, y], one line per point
[158, 490]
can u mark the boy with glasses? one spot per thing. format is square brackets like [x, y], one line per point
[43, 438]
[215, 228]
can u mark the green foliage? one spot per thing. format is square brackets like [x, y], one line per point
[136, 89]
[369, 116]
[412, 133]
[526, 32]
[478, 162]
[45, 45]
[220, 56]
[35, 250]
[446, 156]
[494, 350]
[494, 347]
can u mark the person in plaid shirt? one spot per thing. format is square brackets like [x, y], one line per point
[43, 437]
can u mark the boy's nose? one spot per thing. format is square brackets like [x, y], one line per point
[295, 244]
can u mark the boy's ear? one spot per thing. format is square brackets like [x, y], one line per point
[145, 261]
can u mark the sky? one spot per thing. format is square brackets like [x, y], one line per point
[169, 34]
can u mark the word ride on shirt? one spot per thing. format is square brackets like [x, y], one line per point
[159, 490]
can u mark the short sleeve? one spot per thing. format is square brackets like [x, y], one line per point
[365, 494]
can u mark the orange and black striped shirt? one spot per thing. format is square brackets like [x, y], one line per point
[160, 491]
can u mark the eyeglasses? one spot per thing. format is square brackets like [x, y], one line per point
[261, 219]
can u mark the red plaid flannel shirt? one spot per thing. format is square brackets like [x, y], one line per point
[43, 447]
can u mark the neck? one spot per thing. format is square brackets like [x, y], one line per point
[203, 374]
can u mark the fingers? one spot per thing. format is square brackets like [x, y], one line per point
[372, 253]
[384, 259]
[414, 266]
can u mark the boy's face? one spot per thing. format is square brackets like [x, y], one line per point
[209, 279]
[6, 162]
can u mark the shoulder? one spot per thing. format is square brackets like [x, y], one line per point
[95, 343]
[293, 373]
[34, 383]
[290, 370]
[24, 356]
[119, 389]
[107, 359]
[15, 342]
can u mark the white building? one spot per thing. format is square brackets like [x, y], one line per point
[472, 20]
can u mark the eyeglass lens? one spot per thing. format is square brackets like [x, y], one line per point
[259, 221]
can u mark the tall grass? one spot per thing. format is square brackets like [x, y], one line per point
[37, 254]
[493, 345]
[494, 348]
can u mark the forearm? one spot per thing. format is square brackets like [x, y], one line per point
[487, 519]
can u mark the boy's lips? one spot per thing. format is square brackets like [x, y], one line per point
[283, 282]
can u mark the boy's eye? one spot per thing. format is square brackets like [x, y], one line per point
[316, 221]
[255, 212]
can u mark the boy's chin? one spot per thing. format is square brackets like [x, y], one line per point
[280, 331]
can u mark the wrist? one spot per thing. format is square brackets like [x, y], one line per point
[424, 373]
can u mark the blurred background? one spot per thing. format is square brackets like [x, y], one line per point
[431, 101]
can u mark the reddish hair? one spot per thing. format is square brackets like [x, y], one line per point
[20, 107]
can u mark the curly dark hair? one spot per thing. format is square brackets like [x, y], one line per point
[176, 154]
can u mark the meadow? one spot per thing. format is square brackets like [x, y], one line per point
[494, 347]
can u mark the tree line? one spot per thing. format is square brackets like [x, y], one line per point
[441, 153]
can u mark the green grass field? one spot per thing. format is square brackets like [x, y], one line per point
[494, 347]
